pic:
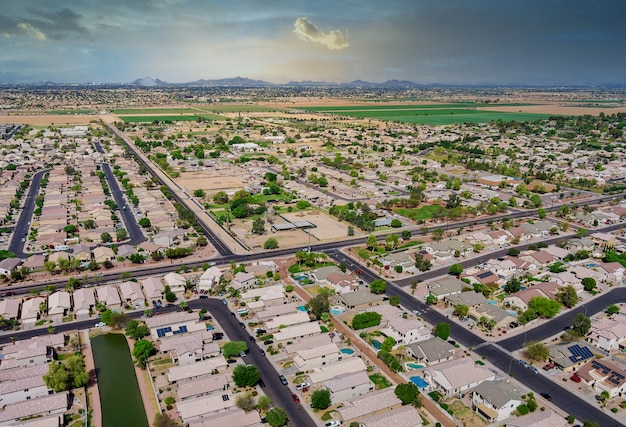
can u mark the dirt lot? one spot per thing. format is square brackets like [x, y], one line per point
[211, 180]
[327, 227]
[54, 119]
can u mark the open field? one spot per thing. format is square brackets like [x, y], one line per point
[423, 213]
[152, 110]
[50, 119]
[171, 118]
[232, 108]
[328, 228]
[440, 114]
[211, 181]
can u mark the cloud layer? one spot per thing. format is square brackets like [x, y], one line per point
[308, 31]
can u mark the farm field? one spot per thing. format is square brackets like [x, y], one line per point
[160, 118]
[244, 108]
[153, 110]
[441, 114]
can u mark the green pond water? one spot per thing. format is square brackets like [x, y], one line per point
[120, 398]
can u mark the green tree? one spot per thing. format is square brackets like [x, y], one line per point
[378, 286]
[246, 375]
[106, 237]
[545, 307]
[72, 283]
[394, 300]
[568, 296]
[589, 283]
[388, 343]
[258, 225]
[581, 325]
[612, 309]
[276, 417]
[582, 232]
[541, 213]
[136, 330]
[318, 305]
[144, 222]
[442, 330]
[366, 319]
[431, 299]
[350, 231]
[456, 269]
[233, 348]
[406, 235]
[537, 351]
[245, 401]
[513, 252]
[438, 234]
[408, 393]
[461, 310]
[396, 223]
[270, 243]
[371, 242]
[201, 241]
[221, 198]
[121, 234]
[263, 402]
[199, 193]
[320, 399]
[142, 350]
[58, 377]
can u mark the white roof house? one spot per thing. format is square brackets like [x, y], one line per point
[287, 320]
[84, 301]
[109, 296]
[197, 370]
[456, 376]
[132, 293]
[193, 409]
[325, 373]
[368, 404]
[9, 308]
[210, 278]
[405, 416]
[31, 310]
[297, 331]
[59, 303]
[175, 281]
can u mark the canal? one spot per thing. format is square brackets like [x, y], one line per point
[120, 398]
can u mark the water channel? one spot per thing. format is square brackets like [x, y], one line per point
[120, 398]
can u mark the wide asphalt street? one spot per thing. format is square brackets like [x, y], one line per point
[20, 230]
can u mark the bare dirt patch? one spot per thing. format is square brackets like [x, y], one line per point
[49, 120]
[211, 180]
[327, 227]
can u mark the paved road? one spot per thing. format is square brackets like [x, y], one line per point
[21, 227]
[280, 394]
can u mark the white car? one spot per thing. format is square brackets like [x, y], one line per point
[100, 324]
[333, 423]
[302, 385]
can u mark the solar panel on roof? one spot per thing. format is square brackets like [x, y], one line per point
[485, 274]
[573, 359]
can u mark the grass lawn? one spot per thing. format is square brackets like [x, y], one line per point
[297, 268]
[423, 213]
[380, 381]
[409, 244]
[64, 112]
[466, 415]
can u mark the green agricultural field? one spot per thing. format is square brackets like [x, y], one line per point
[153, 110]
[70, 112]
[238, 108]
[423, 213]
[186, 118]
[439, 114]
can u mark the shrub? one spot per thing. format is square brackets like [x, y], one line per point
[390, 360]
[366, 320]
[169, 400]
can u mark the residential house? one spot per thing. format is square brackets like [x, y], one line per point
[59, 256]
[348, 386]
[173, 324]
[326, 372]
[125, 251]
[504, 268]
[25, 388]
[615, 271]
[176, 282]
[81, 252]
[357, 300]
[153, 288]
[406, 331]
[210, 278]
[608, 334]
[501, 317]
[32, 309]
[230, 416]
[9, 265]
[317, 357]
[402, 259]
[496, 400]
[9, 308]
[521, 299]
[367, 404]
[468, 298]
[539, 258]
[243, 280]
[447, 248]
[132, 294]
[196, 370]
[54, 404]
[485, 277]
[307, 343]
[196, 409]
[109, 296]
[604, 240]
[569, 356]
[405, 416]
[456, 376]
[204, 386]
[539, 419]
[269, 296]
[291, 319]
[445, 286]
[556, 252]
[431, 351]
[103, 254]
[342, 283]
[84, 302]
[603, 375]
[59, 306]
[185, 349]
[297, 331]
[278, 310]
[35, 263]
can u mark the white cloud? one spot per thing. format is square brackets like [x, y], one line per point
[307, 31]
[31, 31]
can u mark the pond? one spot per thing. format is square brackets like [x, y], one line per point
[120, 398]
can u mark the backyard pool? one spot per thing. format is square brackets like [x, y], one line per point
[301, 308]
[376, 344]
[512, 313]
[492, 302]
[346, 350]
[301, 277]
[412, 365]
[419, 381]
[337, 310]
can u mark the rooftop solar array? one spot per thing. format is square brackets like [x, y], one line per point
[613, 376]
[579, 353]
[485, 274]
[161, 332]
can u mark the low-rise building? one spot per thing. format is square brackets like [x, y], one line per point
[317, 357]
[297, 331]
[405, 416]
[59, 306]
[431, 351]
[456, 376]
[84, 302]
[132, 294]
[357, 300]
[496, 400]
[349, 385]
[368, 404]
[603, 375]
[406, 331]
[109, 296]
[197, 370]
[41, 407]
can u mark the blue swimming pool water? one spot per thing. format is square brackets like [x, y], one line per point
[512, 313]
[414, 365]
[337, 310]
[492, 302]
[419, 381]
[301, 308]
[346, 350]
[376, 344]
[301, 277]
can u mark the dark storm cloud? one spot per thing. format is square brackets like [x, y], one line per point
[57, 25]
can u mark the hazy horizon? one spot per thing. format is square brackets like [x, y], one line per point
[456, 42]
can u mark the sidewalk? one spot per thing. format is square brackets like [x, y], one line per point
[92, 389]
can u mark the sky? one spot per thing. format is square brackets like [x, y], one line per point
[473, 42]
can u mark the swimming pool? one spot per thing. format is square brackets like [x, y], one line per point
[492, 302]
[301, 277]
[419, 381]
[301, 308]
[335, 309]
[346, 350]
[376, 344]
[512, 313]
[411, 365]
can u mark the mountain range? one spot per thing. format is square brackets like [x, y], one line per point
[246, 82]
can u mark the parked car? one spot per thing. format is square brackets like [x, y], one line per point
[522, 362]
[242, 326]
[283, 380]
[268, 342]
[302, 385]
[546, 396]
[260, 331]
[295, 397]
[333, 423]
[204, 297]
[533, 369]
[224, 301]
[100, 324]
[252, 339]
[262, 352]
[231, 361]
[548, 366]
[242, 354]
[261, 383]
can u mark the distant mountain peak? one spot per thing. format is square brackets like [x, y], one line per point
[149, 81]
